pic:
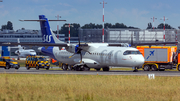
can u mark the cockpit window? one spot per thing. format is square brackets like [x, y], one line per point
[131, 52]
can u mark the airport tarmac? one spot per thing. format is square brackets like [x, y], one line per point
[22, 70]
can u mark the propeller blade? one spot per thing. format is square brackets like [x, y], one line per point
[72, 55]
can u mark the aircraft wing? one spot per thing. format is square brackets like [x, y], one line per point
[42, 20]
[34, 44]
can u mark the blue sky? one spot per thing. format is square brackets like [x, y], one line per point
[135, 13]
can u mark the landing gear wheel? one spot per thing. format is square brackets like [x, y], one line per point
[179, 68]
[7, 67]
[64, 67]
[17, 68]
[77, 68]
[135, 70]
[98, 69]
[27, 67]
[106, 69]
[146, 67]
[82, 68]
[47, 68]
[162, 69]
[154, 68]
[69, 67]
[37, 68]
[86, 68]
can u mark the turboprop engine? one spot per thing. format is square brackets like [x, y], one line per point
[71, 48]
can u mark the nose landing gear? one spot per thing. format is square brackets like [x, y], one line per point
[135, 69]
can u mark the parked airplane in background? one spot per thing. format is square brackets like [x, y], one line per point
[22, 52]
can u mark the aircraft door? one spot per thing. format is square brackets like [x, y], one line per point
[117, 56]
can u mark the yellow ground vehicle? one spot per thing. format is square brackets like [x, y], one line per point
[8, 63]
[37, 62]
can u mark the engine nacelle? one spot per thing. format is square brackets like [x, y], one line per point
[16, 52]
[71, 48]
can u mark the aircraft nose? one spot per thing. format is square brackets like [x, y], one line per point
[140, 61]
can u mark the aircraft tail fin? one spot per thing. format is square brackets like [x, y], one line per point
[47, 34]
[19, 46]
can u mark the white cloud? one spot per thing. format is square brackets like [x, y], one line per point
[132, 17]
[4, 13]
[65, 4]
[1, 6]
[161, 6]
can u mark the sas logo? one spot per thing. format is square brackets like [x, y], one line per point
[46, 38]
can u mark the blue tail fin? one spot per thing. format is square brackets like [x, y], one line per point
[47, 35]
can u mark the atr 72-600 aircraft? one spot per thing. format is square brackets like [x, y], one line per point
[88, 55]
[85, 56]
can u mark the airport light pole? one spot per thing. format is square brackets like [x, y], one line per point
[58, 25]
[69, 30]
[153, 18]
[164, 37]
[103, 21]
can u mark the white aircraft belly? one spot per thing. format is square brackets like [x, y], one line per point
[90, 63]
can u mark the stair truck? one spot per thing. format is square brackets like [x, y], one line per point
[160, 57]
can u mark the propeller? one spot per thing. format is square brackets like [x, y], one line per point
[78, 50]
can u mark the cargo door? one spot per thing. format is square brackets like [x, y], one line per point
[155, 55]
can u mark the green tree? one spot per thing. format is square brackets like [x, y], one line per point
[3, 27]
[73, 30]
[161, 26]
[9, 25]
[119, 25]
[107, 25]
[149, 26]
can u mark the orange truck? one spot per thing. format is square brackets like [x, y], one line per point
[160, 57]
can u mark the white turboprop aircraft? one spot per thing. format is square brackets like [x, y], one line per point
[88, 55]
[22, 52]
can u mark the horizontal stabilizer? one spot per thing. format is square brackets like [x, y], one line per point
[42, 20]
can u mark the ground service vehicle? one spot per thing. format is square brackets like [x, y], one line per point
[8, 63]
[37, 62]
[160, 57]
